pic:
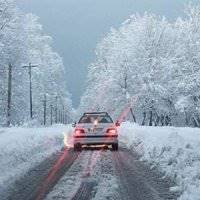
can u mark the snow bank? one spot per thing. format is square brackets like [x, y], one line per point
[23, 148]
[176, 151]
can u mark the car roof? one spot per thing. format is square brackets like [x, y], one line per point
[95, 113]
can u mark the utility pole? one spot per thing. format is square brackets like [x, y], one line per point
[63, 115]
[65, 118]
[51, 113]
[45, 109]
[59, 116]
[9, 94]
[30, 87]
[56, 110]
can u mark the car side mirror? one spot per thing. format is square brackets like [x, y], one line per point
[117, 123]
[74, 124]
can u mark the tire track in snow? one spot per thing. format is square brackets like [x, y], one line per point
[137, 181]
[59, 168]
[85, 191]
[90, 177]
[70, 183]
[34, 184]
[98, 175]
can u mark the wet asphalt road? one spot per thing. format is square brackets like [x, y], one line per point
[135, 179]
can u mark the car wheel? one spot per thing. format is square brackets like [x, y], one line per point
[115, 147]
[77, 147]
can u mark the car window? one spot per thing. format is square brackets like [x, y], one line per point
[105, 119]
[92, 118]
[85, 119]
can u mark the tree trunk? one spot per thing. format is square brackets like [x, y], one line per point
[150, 118]
[186, 117]
[144, 118]
[162, 120]
[167, 120]
[196, 124]
[134, 118]
[157, 120]
[198, 119]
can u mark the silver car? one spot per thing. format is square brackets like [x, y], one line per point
[96, 128]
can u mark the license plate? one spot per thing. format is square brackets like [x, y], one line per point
[94, 130]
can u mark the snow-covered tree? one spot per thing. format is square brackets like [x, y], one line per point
[22, 41]
[153, 60]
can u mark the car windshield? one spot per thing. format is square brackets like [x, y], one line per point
[95, 118]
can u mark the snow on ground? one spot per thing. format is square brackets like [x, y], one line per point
[175, 151]
[71, 181]
[95, 168]
[104, 173]
[24, 148]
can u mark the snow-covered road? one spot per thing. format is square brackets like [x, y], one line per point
[23, 149]
[91, 176]
[94, 174]
[152, 163]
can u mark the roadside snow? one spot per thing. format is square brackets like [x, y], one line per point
[175, 151]
[24, 148]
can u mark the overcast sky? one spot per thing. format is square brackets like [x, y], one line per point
[77, 25]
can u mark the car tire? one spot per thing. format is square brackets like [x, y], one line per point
[77, 147]
[115, 147]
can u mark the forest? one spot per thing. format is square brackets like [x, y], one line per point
[148, 59]
[154, 62]
[23, 43]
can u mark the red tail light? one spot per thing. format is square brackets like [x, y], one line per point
[79, 131]
[112, 131]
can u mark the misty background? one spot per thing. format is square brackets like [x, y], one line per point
[78, 25]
